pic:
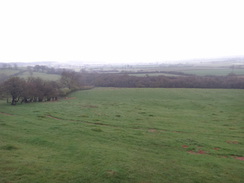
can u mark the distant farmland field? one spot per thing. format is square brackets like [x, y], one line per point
[22, 73]
[214, 72]
[153, 74]
[44, 76]
[197, 71]
[125, 135]
[8, 72]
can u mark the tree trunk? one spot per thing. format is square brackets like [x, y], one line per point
[13, 101]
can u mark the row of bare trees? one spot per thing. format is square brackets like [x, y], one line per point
[125, 80]
[38, 90]
[30, 90]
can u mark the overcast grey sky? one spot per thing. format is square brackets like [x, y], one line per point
[112, 31]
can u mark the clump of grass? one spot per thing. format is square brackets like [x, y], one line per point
[9, 147]
[41, 116]
[97, 129]
[3, 124]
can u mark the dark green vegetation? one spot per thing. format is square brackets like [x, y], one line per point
[125, 135]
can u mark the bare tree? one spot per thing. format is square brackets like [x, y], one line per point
[15, 88]
[71, 80]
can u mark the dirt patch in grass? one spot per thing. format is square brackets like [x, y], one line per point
[152, 130]
[53, 117]
[185, 146]
[198, 152]
[240, 158]
[6, 114]
[111, 173]
[232, 142]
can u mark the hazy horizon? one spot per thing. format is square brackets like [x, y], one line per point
[120, 31]
[183, 61]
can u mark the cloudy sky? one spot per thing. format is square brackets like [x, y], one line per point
[115, 31]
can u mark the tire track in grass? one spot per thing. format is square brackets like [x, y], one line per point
[52, 117]
[87, 122]
[114, 126]
[6, 114]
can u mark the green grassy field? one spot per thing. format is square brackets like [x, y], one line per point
[25, 74]
[44, 76]
[125, 135]
[9, 72]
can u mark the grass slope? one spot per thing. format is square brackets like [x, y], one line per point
[125, 135]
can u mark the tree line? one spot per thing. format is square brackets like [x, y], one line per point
[191, 81]
[38, 90]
